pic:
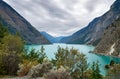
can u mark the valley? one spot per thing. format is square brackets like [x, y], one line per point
[92, 52]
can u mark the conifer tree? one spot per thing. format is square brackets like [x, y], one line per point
[95, 71]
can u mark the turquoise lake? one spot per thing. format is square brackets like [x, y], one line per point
[51, 49]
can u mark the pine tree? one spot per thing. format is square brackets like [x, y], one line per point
[3, 31]
[72, 60]
[95, 71]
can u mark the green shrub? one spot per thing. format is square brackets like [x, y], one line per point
[3, 32]
[71, 59]
[34, 55]
[95, 71]
[10, 51]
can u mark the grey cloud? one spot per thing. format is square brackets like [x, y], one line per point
[60, 28]
[53, 9]
[70, 3]
[47, 16]
[92, 4]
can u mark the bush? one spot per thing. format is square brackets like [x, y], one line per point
[10, 63]
[112, 62]
[40, 69]
[10, 52]
[34, 55]
[61, 73]
[95, 71]
[107, 66]
[25, 66]
[73, 60]
[12, 44]
[3, 71]
[30, 60]
[114, 72]
[3, 32]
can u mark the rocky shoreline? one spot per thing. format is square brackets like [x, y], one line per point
[105, 55]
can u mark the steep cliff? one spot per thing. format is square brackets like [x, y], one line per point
[94, 31]
[110, 43]
[17, 24]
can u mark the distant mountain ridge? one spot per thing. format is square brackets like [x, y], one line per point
[94, 31]
[59, 38]
[16, 23]
[51, 38]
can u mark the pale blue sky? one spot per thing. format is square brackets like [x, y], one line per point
[60, 17]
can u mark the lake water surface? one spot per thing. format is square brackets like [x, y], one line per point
[50, 50]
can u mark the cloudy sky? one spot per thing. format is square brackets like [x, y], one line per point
[60, 17]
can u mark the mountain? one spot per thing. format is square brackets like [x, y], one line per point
[94, 31]
[59, 38]
[49, 37]
[110, 43]
[17, 24]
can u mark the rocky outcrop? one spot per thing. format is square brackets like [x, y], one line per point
[94, 31]
[17, 24]
[110, 43]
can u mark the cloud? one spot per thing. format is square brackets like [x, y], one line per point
[60, 17]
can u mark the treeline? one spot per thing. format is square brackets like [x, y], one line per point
[11, 48]
[15, 60]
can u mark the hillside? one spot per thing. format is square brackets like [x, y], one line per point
[110, 43]
[17, 24]
[94, 31]
[59, 38]
[49, 37]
